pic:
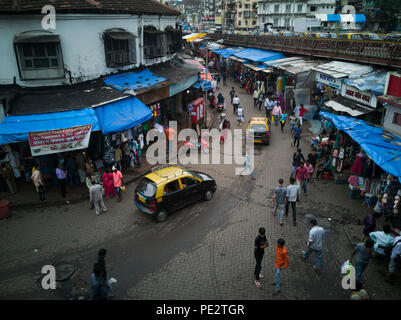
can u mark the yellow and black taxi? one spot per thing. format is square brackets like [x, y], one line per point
[261, 129]
[170, 188]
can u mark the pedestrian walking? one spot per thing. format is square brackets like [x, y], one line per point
[220, 99]
[315, 246]
[279, 200]
[297, 135]
[240, 115]
[268, 107]
[282, 262]
[363, 252]
[118, 182]
[260, 99]
[292, 196]
[248, 166]
[283, 120]
[297, 157]
[394, 258]
[232, 94]
[236, 103]
[38, 182]
[369, 226]
[9, 177]
[101, 260]
[224, 75]
[255, 98]
[260, 245]
[302, 112]
[108, 183]
[293, 121]
[61, 179]
[312, 158]
[96, 197]
[89, 184]
[100, 287]
[301, 174]
[309, 171]
[276, 113]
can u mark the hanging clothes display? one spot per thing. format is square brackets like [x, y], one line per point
[356, 167]
[108, 150]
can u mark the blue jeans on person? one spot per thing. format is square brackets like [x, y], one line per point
[318, 257]
[302, 184]
[292, 127]
[293, 169]
[249, 166]
[278, 279]
[281, 206]
[359, 269]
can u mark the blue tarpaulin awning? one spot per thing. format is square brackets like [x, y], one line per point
[374, 82]
[134, 80]
[258, 55]
[16, 128]
[383, 147]
[122, 115]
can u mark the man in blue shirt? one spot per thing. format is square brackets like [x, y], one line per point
[297, 134]
[100, 287]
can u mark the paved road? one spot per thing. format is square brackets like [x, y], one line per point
[202, 252]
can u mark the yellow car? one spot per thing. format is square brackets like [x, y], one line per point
[169, 188]
[350, 36]
[260, 126]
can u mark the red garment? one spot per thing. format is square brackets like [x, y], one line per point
[301, 173]
[356, 167]
[302, 111]
[108, 184]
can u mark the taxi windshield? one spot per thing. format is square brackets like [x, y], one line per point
[258, 127]
[147, 187]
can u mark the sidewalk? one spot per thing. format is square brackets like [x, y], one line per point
[28, 198]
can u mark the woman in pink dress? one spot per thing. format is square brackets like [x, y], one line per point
[108, 183]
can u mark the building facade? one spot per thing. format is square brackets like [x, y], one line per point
[83, 47]
[281, 14]
[246, 14]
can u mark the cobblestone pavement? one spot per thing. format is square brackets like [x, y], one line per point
[202, 252]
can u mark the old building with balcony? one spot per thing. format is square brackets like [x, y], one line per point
[246, 14]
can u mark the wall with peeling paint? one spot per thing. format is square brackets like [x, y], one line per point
[81, 44]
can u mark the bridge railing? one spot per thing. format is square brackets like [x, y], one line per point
[375, 52]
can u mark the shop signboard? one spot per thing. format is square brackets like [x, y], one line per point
[363, 97]
[206, 85]
[63, 140]
[329, 80]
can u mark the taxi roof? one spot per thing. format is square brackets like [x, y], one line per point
[258, 120]
[166, 174]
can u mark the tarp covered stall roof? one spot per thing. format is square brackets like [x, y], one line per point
[16, 128]
[134, 80]
[238, 59]
[255, 67]
[198, 35]
[188, 36]
[258, 55]
[227, 52]
[122, 115]
[374, 82]
[339, 69]
[345, 105]
[382, 146]
[278, 62]
[195, 63]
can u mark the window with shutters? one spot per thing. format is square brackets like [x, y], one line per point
[39, 55]
[397, 118]
[120, 48]
[173, 39]
[154, 43]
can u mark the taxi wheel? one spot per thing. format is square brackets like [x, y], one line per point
[161, 216]
[208, 195]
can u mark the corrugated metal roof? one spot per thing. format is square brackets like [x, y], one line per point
[339, 69]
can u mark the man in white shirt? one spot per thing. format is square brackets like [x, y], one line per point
[292, 196]
[268, 107]
[236, 103]
[315, 245]
[395, 255]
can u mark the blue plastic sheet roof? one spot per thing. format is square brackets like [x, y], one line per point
[227, 52]
[384, 151]
[359, 17]
[16, 128]
[134, 80]
[258, 55]
[122, 115]
[371, 82]
[333, 18]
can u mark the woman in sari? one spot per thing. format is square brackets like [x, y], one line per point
[108, 183]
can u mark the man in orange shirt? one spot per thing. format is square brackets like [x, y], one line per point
[282, 262]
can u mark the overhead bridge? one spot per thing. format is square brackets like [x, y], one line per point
[381, 53]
